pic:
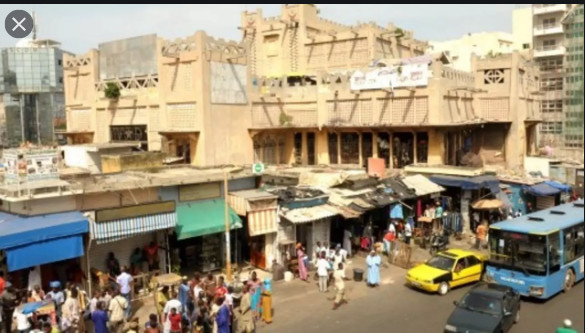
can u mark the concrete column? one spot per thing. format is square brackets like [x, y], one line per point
[304, 149]
[360, 149]
[339, 148]
[415, 148]
[322, 147]
[390, 148]
[375, 144]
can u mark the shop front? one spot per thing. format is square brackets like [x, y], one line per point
[200, 235]
[40, 243]
[260, 209]
[544, 195]
[312, 225]
[137, 237]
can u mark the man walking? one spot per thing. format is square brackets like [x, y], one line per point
[339, 276]
[124, 281]
[117, 308]
[373, 261]
[407, 233]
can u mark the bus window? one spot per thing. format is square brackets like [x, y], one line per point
[574, 248]
[554, 256]
[518, 251]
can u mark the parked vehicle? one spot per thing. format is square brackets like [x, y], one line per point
[445, 270]
[488, 308]
[439, 242]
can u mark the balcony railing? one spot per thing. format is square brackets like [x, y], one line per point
[548, 29]
[549, 51]
[539, 9]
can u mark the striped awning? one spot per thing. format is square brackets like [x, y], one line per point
[261, 222]
[111, 231]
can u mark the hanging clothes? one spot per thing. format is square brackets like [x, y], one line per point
[396, 212]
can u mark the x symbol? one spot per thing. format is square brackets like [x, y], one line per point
[18, 24]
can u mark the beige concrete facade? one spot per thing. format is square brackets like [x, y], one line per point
[481, 44]
[190, 106]
[318, 119]
[522, 28]
[298, 106]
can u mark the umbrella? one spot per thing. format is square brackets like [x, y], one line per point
[487, 204]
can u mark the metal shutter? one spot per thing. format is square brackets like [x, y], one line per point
[545, 202]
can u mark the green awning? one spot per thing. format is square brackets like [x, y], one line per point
[204, 218]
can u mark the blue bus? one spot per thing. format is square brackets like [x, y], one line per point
[538, 254]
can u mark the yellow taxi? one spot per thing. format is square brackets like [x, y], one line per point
[447, 269]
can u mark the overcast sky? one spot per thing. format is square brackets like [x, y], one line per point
[81, 27]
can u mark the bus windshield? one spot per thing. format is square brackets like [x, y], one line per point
[518, 251]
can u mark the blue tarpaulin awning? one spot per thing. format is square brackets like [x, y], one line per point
[36, 240]
[542, 190]
[468, 183]
[558, 185]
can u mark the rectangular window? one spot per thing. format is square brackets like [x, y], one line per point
[311, 148]
[298, 145]
[573, 238]
[552, 84]
[549, 23]
[350, 148]
[552, 106]
[551, 127]
[367, 147]
[384, 147]
[554, 254]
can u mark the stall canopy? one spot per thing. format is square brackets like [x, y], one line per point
[36, 240]
[311, 214]
[111, 231]
[204, 218]
[487, 204]
[471, 183]
[259, 206]
[542, 190]
[421, 185]
[558, 185]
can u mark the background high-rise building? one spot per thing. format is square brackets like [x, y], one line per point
[549, 43]
[31, 89]
[573, 85]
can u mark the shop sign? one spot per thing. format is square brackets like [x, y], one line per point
[111, 214]
[402, 76]
[199, 192]
[258, 168]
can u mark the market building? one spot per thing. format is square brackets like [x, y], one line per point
[186, 98]
[317, 96]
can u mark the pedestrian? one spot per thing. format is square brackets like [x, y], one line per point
[125, 283]
[22, 320]
[57, 296]
[338, 256]
[93, 302]
[37, 293]
[162, 297]
[175, 304]
[322, 272]
[113, 265]
[256, 291]
[71, 312]
[152, 323]
[133, 327]
[220, 289]
[34, 277]
[222, 318]
[567, 327]
[301, 263]
[339, 276]
[174, 319]
[210, 285]
[38, 327]
[106, 297]
[152, 256]
[2, 282]
[480, 235]
[407, 233]
[246, 320]
[117, 311]
[9, 303]
[347, 242]
[184, 297]
[99, 317]
[373, 261]
[136, 260]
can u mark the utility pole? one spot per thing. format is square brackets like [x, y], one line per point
[228, 254]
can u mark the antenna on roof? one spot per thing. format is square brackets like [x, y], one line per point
[34, 30]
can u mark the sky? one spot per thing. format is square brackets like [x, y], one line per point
[82, 27]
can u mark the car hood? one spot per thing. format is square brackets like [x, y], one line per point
[464, 319]
[425, 272]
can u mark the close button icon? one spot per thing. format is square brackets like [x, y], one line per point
[19, 23]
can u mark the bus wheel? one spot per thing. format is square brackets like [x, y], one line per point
[569, 280]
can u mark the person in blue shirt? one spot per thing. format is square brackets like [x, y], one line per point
[100, 319]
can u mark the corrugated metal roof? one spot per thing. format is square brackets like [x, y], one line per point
[305, 215]
[254, 195]
[422, 185]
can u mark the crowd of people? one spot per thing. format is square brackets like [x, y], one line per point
[207, 305]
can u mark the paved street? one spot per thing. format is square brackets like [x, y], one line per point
[395, 307]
